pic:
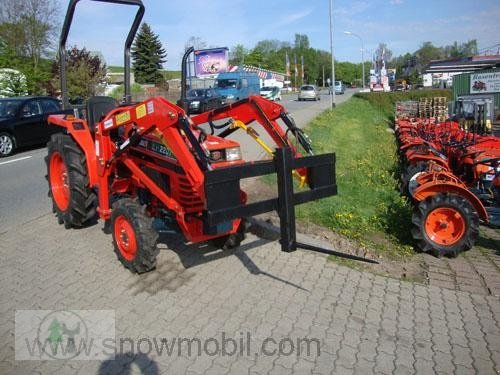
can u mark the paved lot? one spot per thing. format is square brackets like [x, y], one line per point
[365, 323]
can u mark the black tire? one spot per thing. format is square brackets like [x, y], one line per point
[409, 172]
[230, 241]
[82, 200]
[145, 236]
[466, 233]
[7, 144]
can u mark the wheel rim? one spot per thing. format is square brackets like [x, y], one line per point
[59, 184]
[445, 226]
[5, 145]
[125, 238]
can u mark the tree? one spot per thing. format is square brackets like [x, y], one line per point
[29, 26]
[148, 56]
[86, 73]
[12, 83]
[28, 31]
[237, 55]
[196, 42]
[301, 42]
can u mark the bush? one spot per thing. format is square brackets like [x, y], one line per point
[386, 101]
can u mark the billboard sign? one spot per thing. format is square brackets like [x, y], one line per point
[484, 82]
[209, 62]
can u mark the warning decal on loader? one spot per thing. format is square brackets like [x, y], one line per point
[140, 111]
[122, 117]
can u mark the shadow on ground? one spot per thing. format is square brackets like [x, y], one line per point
[176, 269]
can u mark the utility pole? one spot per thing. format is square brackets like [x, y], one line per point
[332, 100]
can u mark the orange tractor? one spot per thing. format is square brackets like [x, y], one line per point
[452, 176]
[147, 168]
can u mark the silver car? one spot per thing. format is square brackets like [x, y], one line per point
[308, 92]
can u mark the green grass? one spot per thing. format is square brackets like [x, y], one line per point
[368, 207]
[116, 69]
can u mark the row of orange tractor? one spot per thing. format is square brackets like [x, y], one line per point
[451, 174]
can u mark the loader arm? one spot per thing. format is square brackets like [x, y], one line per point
[255, 108]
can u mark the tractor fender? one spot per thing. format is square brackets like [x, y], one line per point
[414, 158]
[432, 188]
[80, 132]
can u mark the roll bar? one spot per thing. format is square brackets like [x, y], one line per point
[128, 43]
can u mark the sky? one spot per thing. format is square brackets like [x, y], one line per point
[402, 24]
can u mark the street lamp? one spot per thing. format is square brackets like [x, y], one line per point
[362, 53]
[332, 98]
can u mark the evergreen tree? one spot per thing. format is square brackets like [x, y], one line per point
[148, 56]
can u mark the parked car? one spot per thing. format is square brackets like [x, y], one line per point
[271, 92]
[201, 100]
[339, 88]
[308, 92]
[23, 122]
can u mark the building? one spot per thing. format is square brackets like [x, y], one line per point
[481, 85]
[440, 73]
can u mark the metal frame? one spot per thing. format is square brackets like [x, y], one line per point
[128, 43]
[222, 194]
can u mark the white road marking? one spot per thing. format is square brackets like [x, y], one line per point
[13, 160]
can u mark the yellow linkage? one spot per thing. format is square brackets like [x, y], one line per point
[252, 133]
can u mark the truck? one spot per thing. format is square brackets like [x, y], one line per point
[234, 86]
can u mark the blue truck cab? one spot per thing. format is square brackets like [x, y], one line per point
[237, 85]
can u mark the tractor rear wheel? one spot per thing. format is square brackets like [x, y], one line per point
[409, 172]
[73, 200]
[445, 224]
[134, 237]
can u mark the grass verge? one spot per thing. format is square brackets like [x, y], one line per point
[368, 207]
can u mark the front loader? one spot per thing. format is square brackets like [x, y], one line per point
[147, 168]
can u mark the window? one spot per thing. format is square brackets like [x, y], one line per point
[32, 108]
[244, 83]
[9, 108]
[49, 106]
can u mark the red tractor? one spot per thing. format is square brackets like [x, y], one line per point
[451, 175]
[147, 167]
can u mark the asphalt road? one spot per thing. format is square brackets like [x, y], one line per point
[23, 188]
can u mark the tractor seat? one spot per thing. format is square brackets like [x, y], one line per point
[97, 108]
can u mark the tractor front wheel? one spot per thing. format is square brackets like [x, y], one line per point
[230, 241]
[134, 237]
[445, 224]
[73, 200]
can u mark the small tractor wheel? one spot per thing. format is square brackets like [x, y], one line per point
[445, 224]
[230, 241]
[406, 176]
[73, 200]
[134, 237]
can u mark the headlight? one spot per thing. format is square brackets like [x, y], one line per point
[195, 104]
[233, 153]
[230, 97]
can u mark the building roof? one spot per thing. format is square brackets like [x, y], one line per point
[464, 64]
